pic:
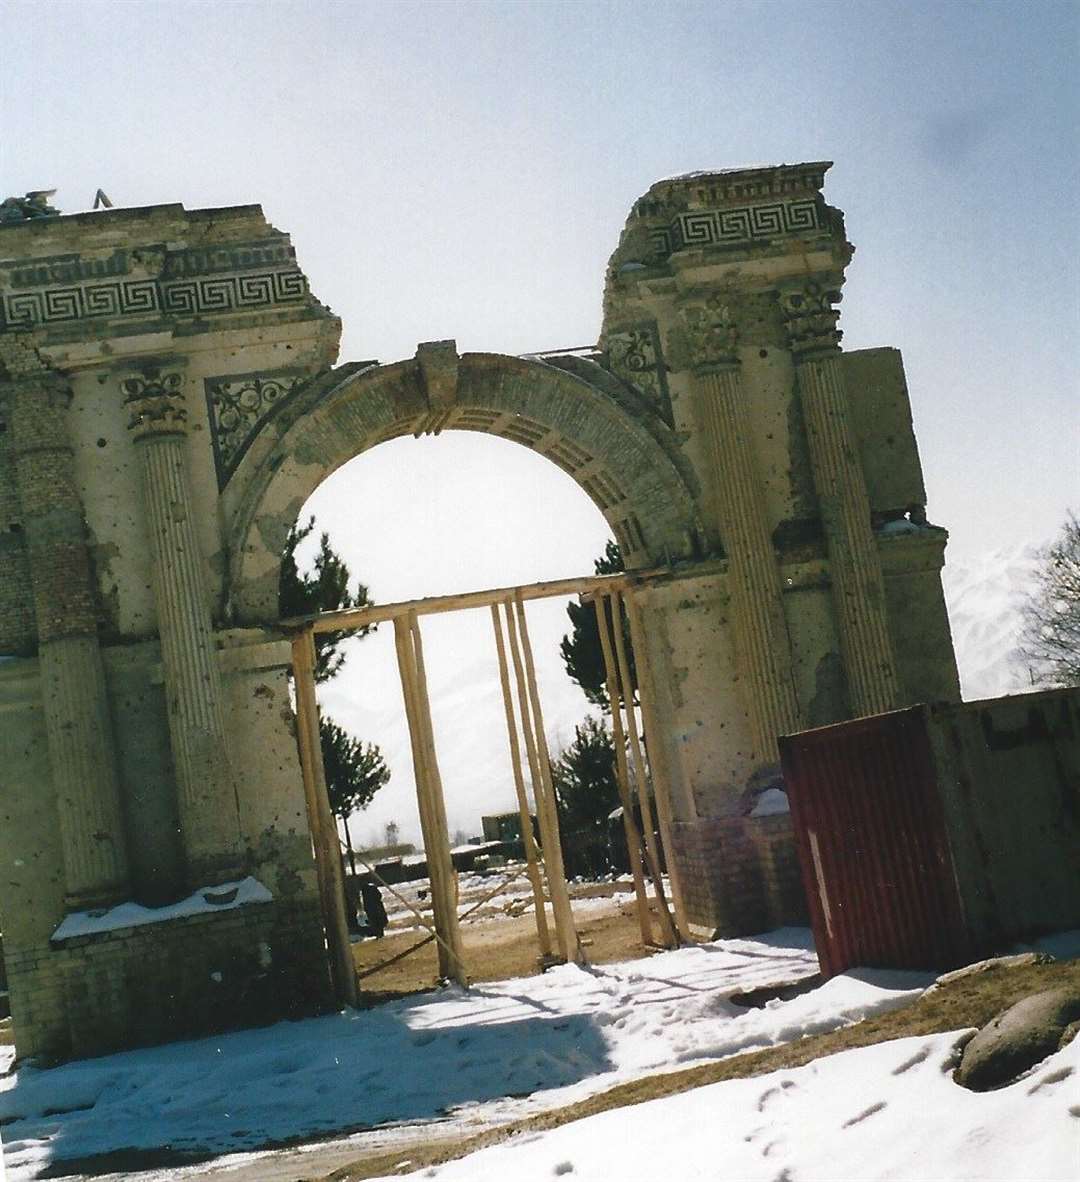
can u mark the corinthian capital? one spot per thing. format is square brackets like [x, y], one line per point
[711, 331]
[156, 403]
[809, 316]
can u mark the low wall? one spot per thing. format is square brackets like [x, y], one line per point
[177, 978]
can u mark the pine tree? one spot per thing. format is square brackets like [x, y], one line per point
[324, 589]
[581, 652]
[355, 771]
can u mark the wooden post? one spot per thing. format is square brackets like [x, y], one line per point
[407, 673]
[436, 848]
[633, 840]
[667, 926]
[658, 765]
[321, 821]
[519, 788]
[543, 790]
[443, 871]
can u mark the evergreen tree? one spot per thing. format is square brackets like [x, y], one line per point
[323, 589]
[586, 792]
[355, 771]
[581, 651]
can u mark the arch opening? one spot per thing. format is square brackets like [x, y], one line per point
[626, 461]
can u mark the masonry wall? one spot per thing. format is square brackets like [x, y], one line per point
[174, 979]
[157, 982]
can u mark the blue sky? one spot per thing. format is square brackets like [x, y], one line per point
[464, 170]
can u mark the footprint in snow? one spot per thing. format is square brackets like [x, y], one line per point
[767, 1097]
[1048, 1081]
[564, 1167]
[866, 1112]
[920, 1056]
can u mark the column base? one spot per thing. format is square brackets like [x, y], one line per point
[213, 869]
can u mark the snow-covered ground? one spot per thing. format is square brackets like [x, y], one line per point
[454, 1062]
[553, 1038]
[890, 1111]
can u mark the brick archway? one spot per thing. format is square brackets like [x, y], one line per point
[626, 462]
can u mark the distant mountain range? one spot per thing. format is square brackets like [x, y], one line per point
[984, 596]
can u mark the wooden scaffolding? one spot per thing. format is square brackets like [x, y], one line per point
[616, 603]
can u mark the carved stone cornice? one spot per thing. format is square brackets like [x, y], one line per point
[156, 403]
[711, 332]
[809, 316]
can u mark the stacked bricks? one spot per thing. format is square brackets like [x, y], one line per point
[739, 874]
[179, 978]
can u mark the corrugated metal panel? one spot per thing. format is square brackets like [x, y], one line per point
[872, 844]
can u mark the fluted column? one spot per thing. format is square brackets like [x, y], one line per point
[753, 573]
[206, 788]
[77, 717]
[858, 586]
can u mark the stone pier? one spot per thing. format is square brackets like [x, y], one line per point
[77, 716]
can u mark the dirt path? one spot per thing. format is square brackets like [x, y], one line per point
[497, 949]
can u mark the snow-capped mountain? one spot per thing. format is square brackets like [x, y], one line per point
[984, 595]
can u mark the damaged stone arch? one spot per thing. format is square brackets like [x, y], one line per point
[622, 456]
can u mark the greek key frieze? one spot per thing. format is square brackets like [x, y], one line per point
[152, 297]
[238, 405]
[715, 227]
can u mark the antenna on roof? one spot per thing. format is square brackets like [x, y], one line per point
[101, 200]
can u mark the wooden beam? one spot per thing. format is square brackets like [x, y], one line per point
[403, 643]
[441, 866]
[358, 617]
[633, 839]
[527, 838]
[324, 835]
[657, 752]
[667, 925]
[539, 765]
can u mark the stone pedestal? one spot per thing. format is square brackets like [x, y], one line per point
[78, 722]
[858, 587]
[206, 791]
[761, 638]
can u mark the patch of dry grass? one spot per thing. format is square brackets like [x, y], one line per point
[966, 1002]
[495, 950]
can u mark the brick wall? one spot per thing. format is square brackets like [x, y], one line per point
[740, 874]
[179, 978]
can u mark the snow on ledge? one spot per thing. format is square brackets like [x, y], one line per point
[771, 803]
[226, 897]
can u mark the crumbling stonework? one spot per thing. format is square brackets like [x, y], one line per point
[169, 400]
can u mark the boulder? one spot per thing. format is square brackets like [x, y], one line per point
[1019, 1038]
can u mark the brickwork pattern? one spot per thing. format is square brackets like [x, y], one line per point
[739, 874]
[176, 979]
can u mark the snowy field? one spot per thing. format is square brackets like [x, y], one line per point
[471, 1055]
[889, 1111]
[455, 1062]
